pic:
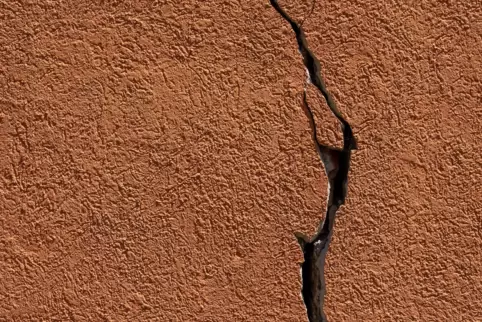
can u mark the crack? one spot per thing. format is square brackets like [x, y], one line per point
[336, 163]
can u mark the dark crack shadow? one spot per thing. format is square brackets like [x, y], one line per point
[337, 165]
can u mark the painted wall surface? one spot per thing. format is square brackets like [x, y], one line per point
[155, 160]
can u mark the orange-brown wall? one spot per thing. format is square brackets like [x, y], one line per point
[155, 161]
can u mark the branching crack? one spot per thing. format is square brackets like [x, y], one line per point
[337, 165]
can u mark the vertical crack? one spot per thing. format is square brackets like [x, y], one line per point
[336, 163]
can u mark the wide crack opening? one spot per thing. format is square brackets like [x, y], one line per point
[336, 163]
[329, 133]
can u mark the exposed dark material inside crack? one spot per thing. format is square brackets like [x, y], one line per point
[337, 165]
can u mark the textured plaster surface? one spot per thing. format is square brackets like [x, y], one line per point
[155, 161]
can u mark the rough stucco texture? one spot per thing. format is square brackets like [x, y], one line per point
[155, 160]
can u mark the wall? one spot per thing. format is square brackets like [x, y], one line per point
[155, 161]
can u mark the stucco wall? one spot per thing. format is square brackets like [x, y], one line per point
[155, 161]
